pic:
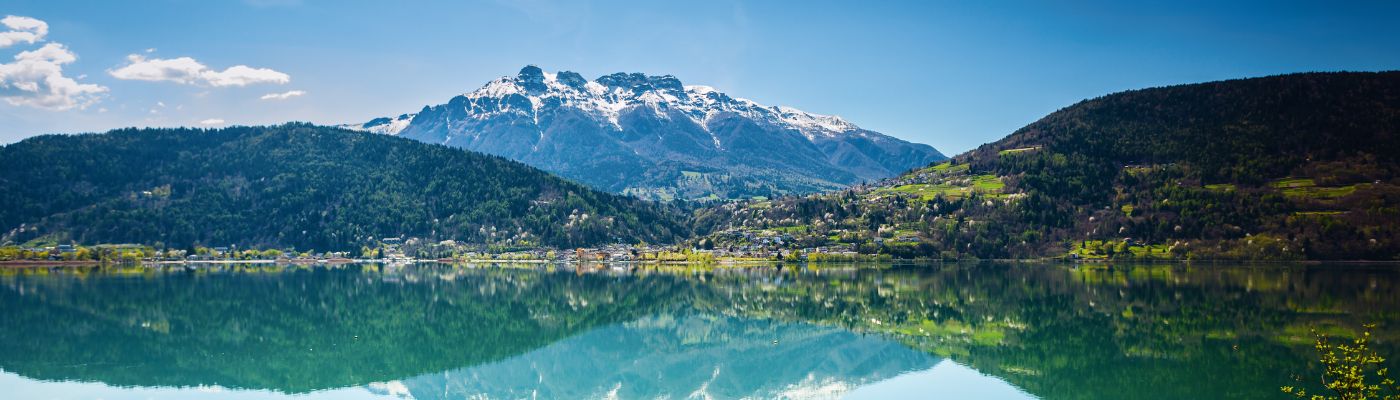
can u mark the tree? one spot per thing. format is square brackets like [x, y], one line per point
[1349, 370]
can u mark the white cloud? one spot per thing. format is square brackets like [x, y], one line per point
[187, 71]
[36, 78]
[212, 121]
[242, 75]
[22, 29]
[283, 96]
[182, 70]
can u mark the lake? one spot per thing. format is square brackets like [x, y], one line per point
[438, 331]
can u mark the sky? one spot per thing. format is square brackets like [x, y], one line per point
[951, 74]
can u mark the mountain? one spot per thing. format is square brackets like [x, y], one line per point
[684, 355]
[363, 322]
[652, 137]
[1300, 166]
[298, 185]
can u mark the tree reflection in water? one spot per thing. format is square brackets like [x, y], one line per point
[1054, 331]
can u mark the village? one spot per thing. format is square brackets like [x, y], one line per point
[754, 247]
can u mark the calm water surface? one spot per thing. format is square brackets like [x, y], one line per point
[436, 331]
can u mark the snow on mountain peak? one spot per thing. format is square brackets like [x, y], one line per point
[500, 87]
[646, 134]
[608, 96]
[828, 123]
[386, 125]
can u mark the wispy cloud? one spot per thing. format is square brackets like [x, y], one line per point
[283, 96]
[212, 121]
[22, 29]
[186, 70]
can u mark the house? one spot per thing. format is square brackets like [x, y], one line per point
[619, 255]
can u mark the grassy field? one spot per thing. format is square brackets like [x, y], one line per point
[1318, 213]
[945, 168]
[1221, 187]
[1015, 151]
[1324, 192]
[789, 229]
[983, 184]
[1305, 188]
[1097, 250]
[1292, 183]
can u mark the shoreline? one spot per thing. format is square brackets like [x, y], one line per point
[727, 263]
[55, 263]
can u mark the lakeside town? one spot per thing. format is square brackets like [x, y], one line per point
[757, 248]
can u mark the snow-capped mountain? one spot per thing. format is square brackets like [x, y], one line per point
[653, 137]
[704, 357]
[385, 125]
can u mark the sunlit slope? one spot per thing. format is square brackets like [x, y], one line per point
[1297, 166]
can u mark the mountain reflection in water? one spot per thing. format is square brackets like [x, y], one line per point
[430, 331]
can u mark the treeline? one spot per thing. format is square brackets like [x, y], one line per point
[104, 253]
[302, 186]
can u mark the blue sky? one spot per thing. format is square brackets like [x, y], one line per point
[950, 74]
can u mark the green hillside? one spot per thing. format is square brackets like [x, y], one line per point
[298, 185]
[1299, 166]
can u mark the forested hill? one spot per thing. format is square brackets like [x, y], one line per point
[1292, 166]
[298, 185]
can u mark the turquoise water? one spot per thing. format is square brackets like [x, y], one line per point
[437, 331]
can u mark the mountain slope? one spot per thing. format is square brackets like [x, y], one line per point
[1283, 167]
[653, 137]
[298, 185]
[720, 356]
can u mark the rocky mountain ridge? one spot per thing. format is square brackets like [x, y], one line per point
[653, 137]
